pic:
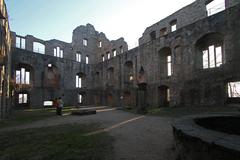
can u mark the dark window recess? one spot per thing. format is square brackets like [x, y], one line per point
[153, 35]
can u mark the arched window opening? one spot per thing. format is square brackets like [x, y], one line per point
[128, 72]
[87, 59]
[85, 42]
[58, 52]
[108, 55]
[210, 51]
[114, 53]
[80, 79]
[121, 49]
[165, 65]
[78, 57]
[23, 74]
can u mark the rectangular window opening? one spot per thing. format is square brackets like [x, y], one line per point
[38, 47]
[48, 103]
[22, 76]
[78, 57]
[87, 59]
[85, 42]
[212, 57]
[20, 42]
[234, 90]
[108, 55]
[78, 82]
[103, 58]
[100, 44]
[22, 98]
[55, 52]
[18, 77]
[58, 52]
[168, 95]
[219, 57]
[215, 7]
[121, 49]
[80, 98]
[205, 59]
[114, 53]
[173, 26]
[169, 66]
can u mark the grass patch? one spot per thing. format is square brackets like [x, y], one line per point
[30, 115]
[53, 143]
[186, 111]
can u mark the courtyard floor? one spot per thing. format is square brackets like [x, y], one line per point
[136, 137]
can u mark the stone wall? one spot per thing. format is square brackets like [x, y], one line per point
[185, 16]
[5, 62]
[68, 67]
[194, 142]
[189, 81]
[106, 81]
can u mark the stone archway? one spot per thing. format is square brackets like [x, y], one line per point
[127, 99]
[163, 96]
[110, 100]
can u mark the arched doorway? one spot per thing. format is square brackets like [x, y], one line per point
[128, 72]
[109, 100]
[97, 99]
[127, 98]
[163, 96]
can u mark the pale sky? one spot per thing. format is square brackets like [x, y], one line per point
[56, 19]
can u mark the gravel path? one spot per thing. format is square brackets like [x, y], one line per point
[136, 137]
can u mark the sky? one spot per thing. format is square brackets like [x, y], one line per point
[56, 19]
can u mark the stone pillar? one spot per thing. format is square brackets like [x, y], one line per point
[142, 94]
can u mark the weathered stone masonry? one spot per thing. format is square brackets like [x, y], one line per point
[5, 62]
[189, 58]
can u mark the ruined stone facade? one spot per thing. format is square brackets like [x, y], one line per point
[5, 62]
[188, 58]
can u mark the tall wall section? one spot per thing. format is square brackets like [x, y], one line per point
[170, 52]
[5, 62]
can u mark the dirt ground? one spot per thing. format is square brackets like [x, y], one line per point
[136, 137]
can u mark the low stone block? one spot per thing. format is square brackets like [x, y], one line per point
[83, 112]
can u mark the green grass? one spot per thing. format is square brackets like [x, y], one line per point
[186, 111]
[66, 142]
[30, 115]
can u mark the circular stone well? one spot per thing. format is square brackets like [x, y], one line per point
[209, 137]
